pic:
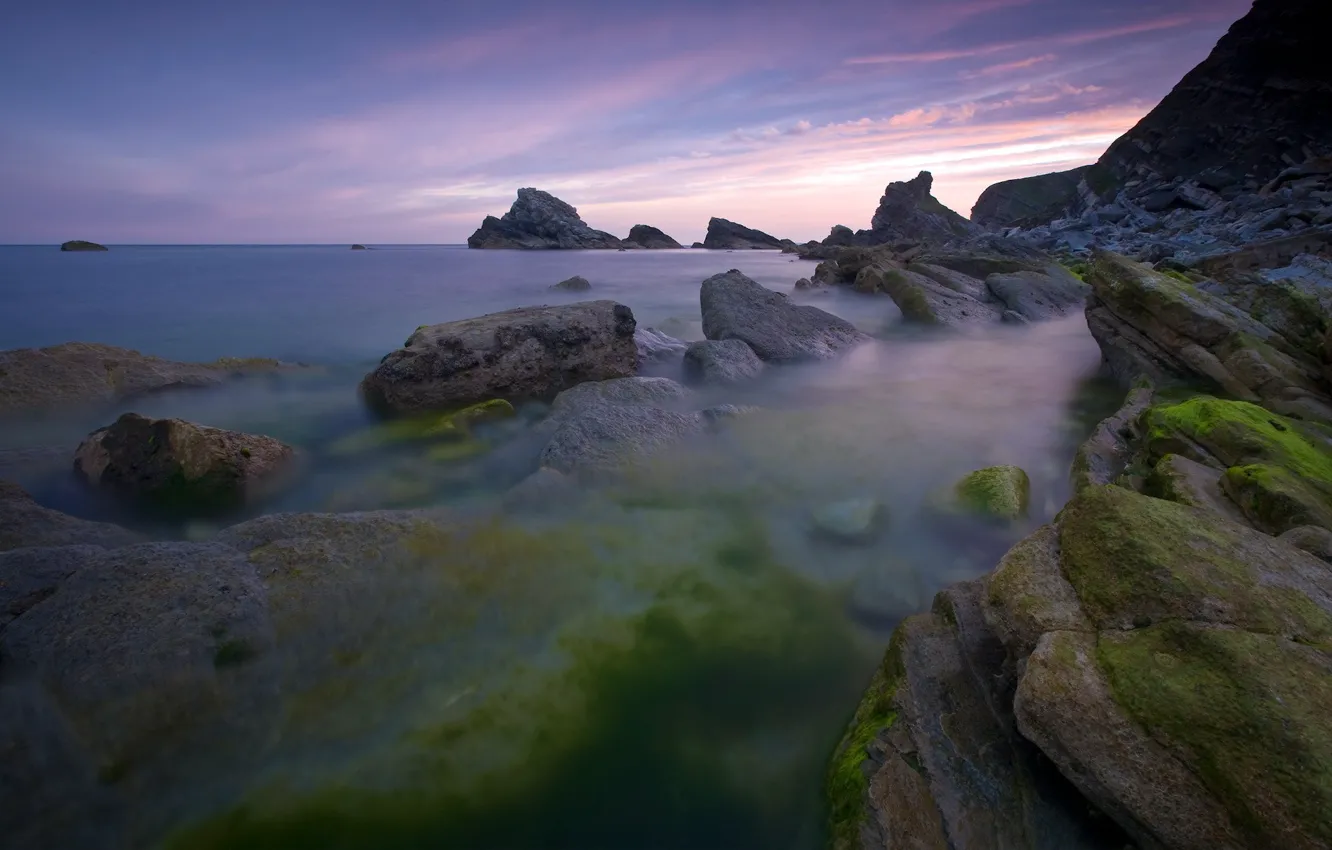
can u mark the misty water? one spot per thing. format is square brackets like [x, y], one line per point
[666, 664]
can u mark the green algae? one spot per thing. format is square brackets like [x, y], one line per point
[1276, 500]
[908, 296]
[1247, 713]
[847, 781]
[654, 721]
[1136, 560]
[430, 428]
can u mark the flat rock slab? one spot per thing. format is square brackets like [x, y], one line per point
[520, 354]
[736, 307]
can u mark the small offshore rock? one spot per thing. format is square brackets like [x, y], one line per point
[736, 307]
[82, 245]
[577, 283]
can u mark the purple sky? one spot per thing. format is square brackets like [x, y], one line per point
[175, 121]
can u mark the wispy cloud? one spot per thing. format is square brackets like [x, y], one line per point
[1010, 67]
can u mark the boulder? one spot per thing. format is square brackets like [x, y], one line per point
[850, 521]
[84, 373]
[25, 523]
[656, 347]
[622, 392]
[520, 354]
[540, 220]
[577, 283]
[725, 361]
[1155, 326]
[1000, 493]
[607, 438]
[925, 301]
[81, 245]
[907, 211]
[735, 307]
[650, 237]
[180, 466]
[1039, 295]
[723, 235]
[136, 643]
[1028, 201]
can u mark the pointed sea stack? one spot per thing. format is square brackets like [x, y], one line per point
[539, 220]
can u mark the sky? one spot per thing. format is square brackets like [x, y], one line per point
[408, 121]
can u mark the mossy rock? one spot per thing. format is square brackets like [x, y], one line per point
[1135, 561]
[1246, 712]
[1279, 470]
[1000, 493]
[432, 428]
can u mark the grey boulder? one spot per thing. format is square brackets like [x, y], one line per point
[736, 307]
[520, 354]
[25, 523]
[723, 361]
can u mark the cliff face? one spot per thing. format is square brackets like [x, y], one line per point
[540, 220]
[1262, 101]
[1029, 200]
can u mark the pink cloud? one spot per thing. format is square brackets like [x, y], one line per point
[1009, 67]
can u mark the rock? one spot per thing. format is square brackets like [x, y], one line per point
[650, 237]
[607, 438]
[540, 220]
[1312, 539]
[81, 245]
[954, 280]
[576, 283]
[725, 361]
[907, 211]
[622, 392]
[1174, 596]
[850, 521]
[1294, 312]
[656, 347]
[134, 643]
[452, 428]
[723, 234]
[1178, 479]
[999, 492]
[717, 417]
[735, 307]
[924, 301]
[1277, 470]
[25, 523]
[543, 490]
[521, 354]
[1151, 325]
[180, 466]
[359, 248]
[841, 235]
[928, 762]
[1258, 100]
[1028, 201]
[698, 245]
[86, 373]
[804, 284]
[1037, 296]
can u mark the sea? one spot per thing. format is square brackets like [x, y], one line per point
[668, 666]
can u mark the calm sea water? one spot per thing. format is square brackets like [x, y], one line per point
[669, 667]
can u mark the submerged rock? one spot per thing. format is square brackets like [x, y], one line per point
[999, 492]
[725, 361]
[24, 523]
[650, 237]
[181, 466]
[609, 437]
[723, 234]
[735, 307]
[540, 220]
[520, 354]
[577, 283]
[81, 245]
[624, 392]
[75, 373]
[850, 521]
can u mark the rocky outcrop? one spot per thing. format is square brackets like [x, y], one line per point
[180, 466]
[539, 220]
[646, 236]
[85, 373]
[908, 212]
[724, 361]
[25, 523]
[727, 235]
[520, 354]
[359, 247]
[735, 307]
[577, 283]
[82, 245]
[1152, 325]
[1261, 102]
[1028, 201]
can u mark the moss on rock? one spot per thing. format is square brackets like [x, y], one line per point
[998, 492]
[1248, 714]
[432, 428]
